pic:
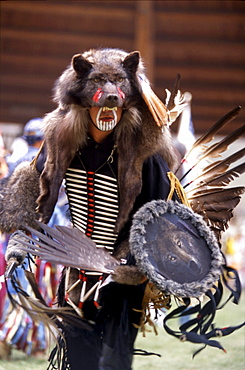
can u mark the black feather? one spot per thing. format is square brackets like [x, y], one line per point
[220, 180]
[209, 134]
[217, 167]
[214, 150]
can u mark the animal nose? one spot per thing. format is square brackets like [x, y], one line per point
[111, 100]
[194, 266]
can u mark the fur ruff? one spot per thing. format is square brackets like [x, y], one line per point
[129, 275]
[18, 199]
[65, 132]
[134, 147]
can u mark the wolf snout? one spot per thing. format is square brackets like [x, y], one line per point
[194, 266]
[111, 100]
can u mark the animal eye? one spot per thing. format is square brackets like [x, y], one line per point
[178, 243]
[96, 79]
[172, 258]
[119, 79]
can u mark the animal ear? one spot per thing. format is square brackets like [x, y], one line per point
[80, 64]
[131, 61]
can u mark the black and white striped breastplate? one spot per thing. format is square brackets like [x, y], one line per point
[93, 200]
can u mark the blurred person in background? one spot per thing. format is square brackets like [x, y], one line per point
[17, 329]
[3, 164]
[33, 139]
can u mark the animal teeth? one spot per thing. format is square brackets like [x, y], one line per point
[105, 109]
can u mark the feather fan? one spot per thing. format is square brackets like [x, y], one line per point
[68, 247]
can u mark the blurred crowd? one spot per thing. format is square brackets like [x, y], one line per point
[17, 329]
[233, 245]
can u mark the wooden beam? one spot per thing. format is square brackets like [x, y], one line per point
[68, 9]
[144, 35]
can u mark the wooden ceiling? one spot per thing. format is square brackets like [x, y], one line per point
[201, 40]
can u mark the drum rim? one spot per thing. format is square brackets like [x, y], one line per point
[157, 208]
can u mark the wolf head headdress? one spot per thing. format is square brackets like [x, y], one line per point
[104, 78]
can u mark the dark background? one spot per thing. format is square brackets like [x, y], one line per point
[201, 40]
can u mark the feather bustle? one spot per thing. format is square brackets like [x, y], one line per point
[216, 149]
[223, 145]
[218, 167]
[220, 180]
[209, 134]
[216, 206]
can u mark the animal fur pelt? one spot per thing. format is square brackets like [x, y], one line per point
[107, 72]
[18, 197]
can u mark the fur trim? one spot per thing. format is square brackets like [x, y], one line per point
[121, 250]
[129, 275]
[138, 138]
[65, 132]
[13, 250]
[18, 199]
